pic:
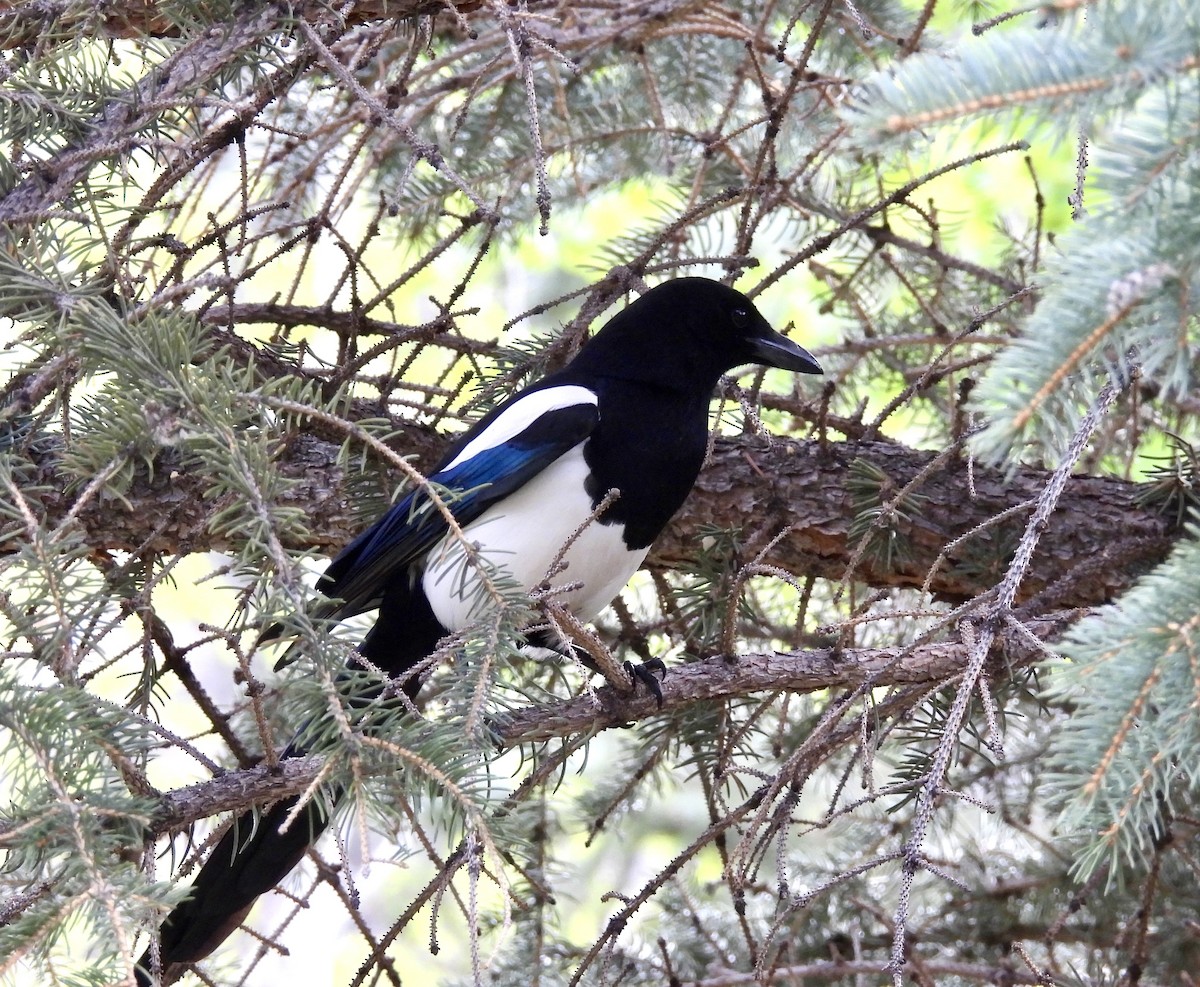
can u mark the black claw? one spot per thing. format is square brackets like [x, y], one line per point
[644, 673]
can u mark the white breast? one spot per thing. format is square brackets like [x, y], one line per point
[520, 537]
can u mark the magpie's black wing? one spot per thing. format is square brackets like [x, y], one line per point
[496, 457]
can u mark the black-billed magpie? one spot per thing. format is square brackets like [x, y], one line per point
[630, 413]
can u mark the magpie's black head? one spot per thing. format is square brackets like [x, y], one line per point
[688, 332]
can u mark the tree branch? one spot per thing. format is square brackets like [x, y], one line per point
[708, 680]
[1095, 545]
[113, 132]
[21, 23]
[1097, 542]
[723, 677]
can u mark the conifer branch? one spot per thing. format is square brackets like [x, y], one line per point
[713, 679]
[115, 131]
[1104, 523]
[979, 634]
[19, 25]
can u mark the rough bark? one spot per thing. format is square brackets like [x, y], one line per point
[20, 22]
[725, 677]
[1097, 543]
[707, 680]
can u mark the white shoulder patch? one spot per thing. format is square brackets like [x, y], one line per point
[520, 415]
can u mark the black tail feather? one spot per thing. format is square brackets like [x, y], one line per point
[249, 860]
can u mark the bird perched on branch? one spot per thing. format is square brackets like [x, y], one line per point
[628, 414]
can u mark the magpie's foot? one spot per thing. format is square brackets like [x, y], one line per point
[644, 673]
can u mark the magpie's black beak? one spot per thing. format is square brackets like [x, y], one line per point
[776, 350]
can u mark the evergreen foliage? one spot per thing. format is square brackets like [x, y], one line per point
[1114, 297]
[259, 262]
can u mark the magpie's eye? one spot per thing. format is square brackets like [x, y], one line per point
[740, 317]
